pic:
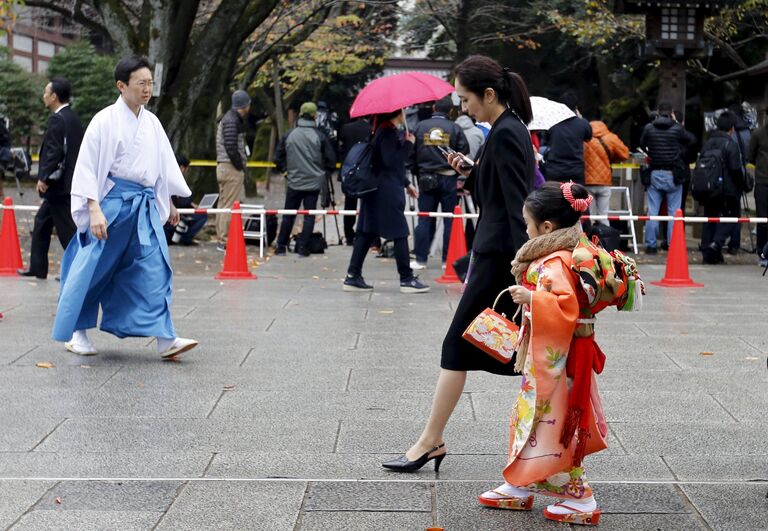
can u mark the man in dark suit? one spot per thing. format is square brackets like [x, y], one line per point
[58, 155]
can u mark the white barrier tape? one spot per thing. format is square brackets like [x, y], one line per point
[289, 212]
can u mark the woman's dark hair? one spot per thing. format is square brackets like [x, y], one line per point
[61, 87]
[548, 204]
[128, 65]
[479, 72]
[383, 118]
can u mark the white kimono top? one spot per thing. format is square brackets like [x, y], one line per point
[130, 147]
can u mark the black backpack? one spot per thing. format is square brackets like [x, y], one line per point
[707, 176]
[357, 175]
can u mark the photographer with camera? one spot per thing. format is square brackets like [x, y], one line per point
[189, 225]
[306, 154]
[58, 154]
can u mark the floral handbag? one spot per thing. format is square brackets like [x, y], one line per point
[494, 334]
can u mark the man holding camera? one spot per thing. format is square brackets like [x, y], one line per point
[58, 155]
[437, 180]
[305, 154]
[665, 141]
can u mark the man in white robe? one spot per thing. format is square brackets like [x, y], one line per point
[125, 174]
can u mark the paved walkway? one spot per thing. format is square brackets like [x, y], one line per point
[279, 420]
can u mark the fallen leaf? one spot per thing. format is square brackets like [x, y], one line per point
[229, 387]
[315, 277]
[57, 500]
[44, 365]
[705, 353]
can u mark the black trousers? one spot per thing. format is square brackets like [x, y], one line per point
[727, 207]
[53, 213]
[363, 242]
[293, 201]
[350, 203]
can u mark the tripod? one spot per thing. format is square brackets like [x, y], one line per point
[745, 206]
[329, 199]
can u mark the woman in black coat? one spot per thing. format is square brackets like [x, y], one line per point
[500, 181]
[382, 211]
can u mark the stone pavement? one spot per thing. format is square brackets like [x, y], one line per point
[279, 420]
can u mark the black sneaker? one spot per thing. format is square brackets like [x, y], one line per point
[356, 284]
[650, 250]
[280, 251]
[413, 285]
[712, 254]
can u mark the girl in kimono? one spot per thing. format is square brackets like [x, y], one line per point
[557, 418]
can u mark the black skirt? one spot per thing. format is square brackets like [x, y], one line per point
[489, 274]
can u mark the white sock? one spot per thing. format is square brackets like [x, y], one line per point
[164, 344]
[508, 490]
[586, 505]
[79, 337]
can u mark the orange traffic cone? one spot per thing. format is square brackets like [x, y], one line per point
[457, 247]
[235, 260]
[677, 275]
[10, 252]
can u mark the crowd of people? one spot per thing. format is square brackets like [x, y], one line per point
[109, 192]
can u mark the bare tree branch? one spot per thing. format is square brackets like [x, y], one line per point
[75, 14]
[727, 49]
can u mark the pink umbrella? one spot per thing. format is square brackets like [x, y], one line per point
[388, 94]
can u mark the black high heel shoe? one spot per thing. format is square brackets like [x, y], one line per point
[402, 464]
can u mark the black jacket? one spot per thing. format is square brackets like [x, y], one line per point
[500, 181]
[665, 141]
[5, 135]
[64, 123]
[733, 169]
[381, 212]
[565, 157]
[757, 154]
[426, 157]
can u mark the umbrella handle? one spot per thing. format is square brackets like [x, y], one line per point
[405, 120]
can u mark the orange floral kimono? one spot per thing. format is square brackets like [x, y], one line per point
[538, 461]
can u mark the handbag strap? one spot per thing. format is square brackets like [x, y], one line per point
[506, 290]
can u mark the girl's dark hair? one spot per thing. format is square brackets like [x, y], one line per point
[128, 65]
[548, 204]
[479, 72]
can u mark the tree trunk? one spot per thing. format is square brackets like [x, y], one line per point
[462, 30]
[198, 59]
[278, 94]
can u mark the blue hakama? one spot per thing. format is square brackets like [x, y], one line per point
[129, 274]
